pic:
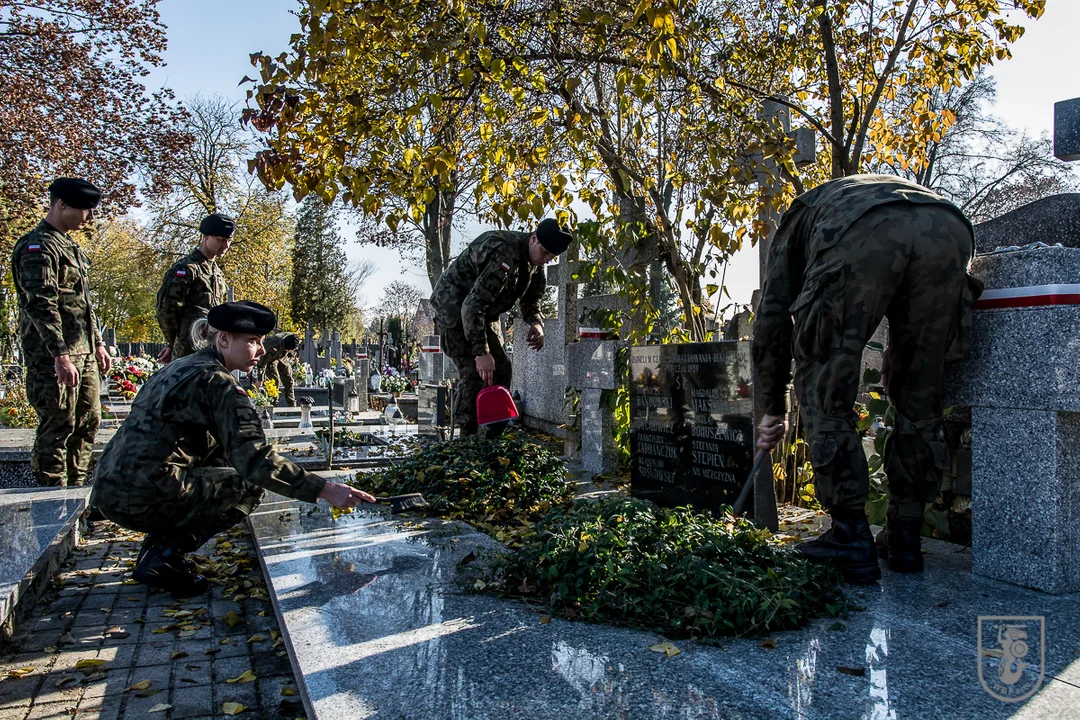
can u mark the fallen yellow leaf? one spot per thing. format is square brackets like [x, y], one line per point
[288, 691]
[768, 643]
[232, 708]
[179, 654]
[141, 685]
[256, 638]
[232, 619]
[83, 664]
[20, 672]
[160, 707]
[545, 619]
[667, 648]
[246, 677]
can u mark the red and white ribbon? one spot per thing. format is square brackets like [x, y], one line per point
[1030, 296]
[589, 333]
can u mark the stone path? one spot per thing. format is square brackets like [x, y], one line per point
[98, 646]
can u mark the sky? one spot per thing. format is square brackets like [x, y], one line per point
[210, 43]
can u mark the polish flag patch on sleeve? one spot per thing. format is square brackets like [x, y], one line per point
[505, 267]
[33, 248]
[181, 273]
[240, 390]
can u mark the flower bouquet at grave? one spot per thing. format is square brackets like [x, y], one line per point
[395, 384]
[131, 373]
[261, 397]
[301, 374]
[15, 409]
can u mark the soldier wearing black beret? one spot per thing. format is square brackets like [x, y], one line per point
[191, 459]
[58, 331]
[496, 270]
[192, 286]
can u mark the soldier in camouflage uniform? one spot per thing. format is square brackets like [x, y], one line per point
[191, 459]
[847, 254]
[61, 343]
[484, 281]
[274, 364]
[192, 286]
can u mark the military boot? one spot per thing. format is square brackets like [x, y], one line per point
[901, 544]
[162, 565]
[849, 545]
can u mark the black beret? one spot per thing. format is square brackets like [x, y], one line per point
[75, 192]
[242, 317]
[218, 225]
[554, 238]
[291, 342]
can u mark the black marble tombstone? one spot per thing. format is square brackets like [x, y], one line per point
[691, 423]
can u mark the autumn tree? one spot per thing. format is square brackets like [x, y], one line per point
[125, 278]
[323, 288]
[981, 164]
[209, 175]
[73, 100]
[653, 109]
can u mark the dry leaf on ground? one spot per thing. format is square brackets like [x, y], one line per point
[160, 707]
[141, 685]
[246, 677]
[232, 708]
[667, 648]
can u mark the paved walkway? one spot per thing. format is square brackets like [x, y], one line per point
[99, 646]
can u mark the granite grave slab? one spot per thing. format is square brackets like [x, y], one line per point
[377, 627]
[37, 526]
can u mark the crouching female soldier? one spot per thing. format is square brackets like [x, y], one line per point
[191, 459]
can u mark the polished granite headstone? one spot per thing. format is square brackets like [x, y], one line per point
[377, 626]
[33, 524]
[691, 423]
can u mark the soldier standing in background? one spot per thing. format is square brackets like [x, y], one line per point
[192, 460]
[61, 343]
[192, 286]
[275, 364]
[482, 283]
[848, 253]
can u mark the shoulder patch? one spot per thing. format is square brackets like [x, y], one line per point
[33, 247]
[182, 272]
[240, 390]
[505, 267]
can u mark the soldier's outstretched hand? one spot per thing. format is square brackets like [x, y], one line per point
[485, 366]
[104, 361]
[165, 355]
[770, 432]
[344, 497]
[535, 337]
[66, 374]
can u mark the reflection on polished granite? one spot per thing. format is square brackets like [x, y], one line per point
[377, 627]
[31, 521]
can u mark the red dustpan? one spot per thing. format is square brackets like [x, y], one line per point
[494, 405]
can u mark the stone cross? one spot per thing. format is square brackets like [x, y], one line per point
[591, 365]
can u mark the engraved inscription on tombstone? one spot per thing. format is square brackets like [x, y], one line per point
[691, 423]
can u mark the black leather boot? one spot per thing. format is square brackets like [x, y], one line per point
[162, 565]
[849, 545]
[901, 543]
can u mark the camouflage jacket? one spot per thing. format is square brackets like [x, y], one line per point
[485, 281]
[273, 350]
[56, 316]
[191, 287]
[181, 418]
[813, 224]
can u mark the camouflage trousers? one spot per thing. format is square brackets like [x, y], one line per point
[469, 383]
[211, 499]
[68, 420]
[908, 264]
[280, 372]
